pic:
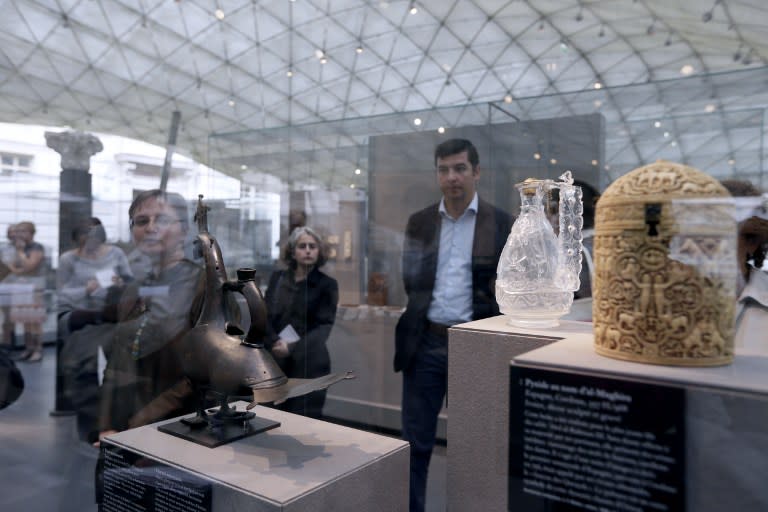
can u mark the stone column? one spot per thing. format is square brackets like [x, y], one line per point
[76, 149]
[75, 204]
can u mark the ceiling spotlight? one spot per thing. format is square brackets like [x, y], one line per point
[731, 161]
[537, 156]
[686, 70]
[441, 130]
[508, 99]
[707, 17]
[289, 73]
[319, 54]
[594, 162]
[709, 108]
[231, 102]
[417, 121]
[607, 167]
[563, 47]
[351, 185]
[359, 49]
[553, 161]
[597, 103]
[666, 135]
[323, 60]
[657, 124]
[358, 171]
[413, 9]
[219, 14]
[598, 85]
[673, 143]
[243, 167]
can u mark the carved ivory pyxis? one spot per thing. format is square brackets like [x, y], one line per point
[665, 268]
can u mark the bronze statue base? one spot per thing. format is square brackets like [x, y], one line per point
[213, 433]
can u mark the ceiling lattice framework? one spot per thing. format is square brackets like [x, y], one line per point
[123, 66]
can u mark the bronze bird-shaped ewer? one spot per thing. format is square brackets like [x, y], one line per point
[219, 358]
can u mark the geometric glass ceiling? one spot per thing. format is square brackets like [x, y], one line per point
[123, 66]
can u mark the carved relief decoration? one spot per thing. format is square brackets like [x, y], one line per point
[665, 294]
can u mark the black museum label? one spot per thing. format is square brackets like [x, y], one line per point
[581, 442]
[132, 483]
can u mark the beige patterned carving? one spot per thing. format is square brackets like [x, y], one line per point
[667, 298]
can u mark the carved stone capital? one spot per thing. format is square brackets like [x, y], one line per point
[75, 148]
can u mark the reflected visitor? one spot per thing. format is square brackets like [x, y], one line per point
[7, 257]
[28, 280]
[85, 277]
[301, 303]
[86, 272]
[450, 255]
[143, 380]
[752, 289]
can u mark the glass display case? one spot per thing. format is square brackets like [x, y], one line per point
[354, 183]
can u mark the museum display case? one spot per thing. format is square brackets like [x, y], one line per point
[354, 183]
[539, 421]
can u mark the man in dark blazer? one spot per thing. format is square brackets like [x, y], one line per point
[450, 255]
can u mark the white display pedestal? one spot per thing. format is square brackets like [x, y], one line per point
[479, 353]
[304, 465]
[725, 417]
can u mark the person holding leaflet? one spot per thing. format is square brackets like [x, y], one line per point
[301, 303]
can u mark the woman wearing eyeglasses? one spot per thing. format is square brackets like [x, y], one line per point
[301, 303]
[143, 381]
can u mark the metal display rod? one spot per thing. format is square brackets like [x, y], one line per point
[174, 131]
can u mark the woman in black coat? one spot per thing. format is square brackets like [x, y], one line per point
[301, 303]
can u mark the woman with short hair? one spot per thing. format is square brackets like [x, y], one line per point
[301, 302]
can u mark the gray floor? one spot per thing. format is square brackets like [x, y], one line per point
[44, 467]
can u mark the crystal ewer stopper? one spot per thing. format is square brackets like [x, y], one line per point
[538, 271]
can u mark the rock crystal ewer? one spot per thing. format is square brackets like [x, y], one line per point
[538, 271]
